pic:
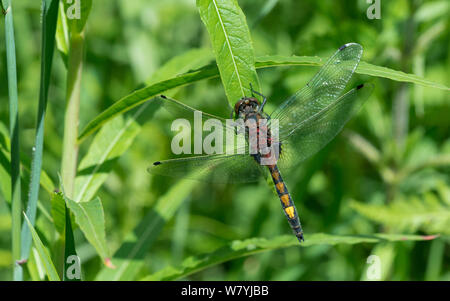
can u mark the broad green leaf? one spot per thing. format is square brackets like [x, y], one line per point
[90, 218]
[44, 256]
[232, 45]
[77, 14]
[108, 145]
[211, 71]
[242, 248]
[130, 256]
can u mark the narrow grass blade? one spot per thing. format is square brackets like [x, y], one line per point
[49, 17]
[130, 256]
[232, 44]
[62, 35]
[5, 172]
[242, 248]
[16, 202]
[72, 264]
[211, 71]
[44, 256]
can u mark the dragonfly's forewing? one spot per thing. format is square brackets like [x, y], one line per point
[320, 92]
[214, 168]
[316, 132]
[229, 166]
[180, 110]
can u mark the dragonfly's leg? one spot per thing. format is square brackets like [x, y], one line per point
[260, 94]
[231, 115]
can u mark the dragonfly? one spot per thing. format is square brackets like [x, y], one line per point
[306, 122]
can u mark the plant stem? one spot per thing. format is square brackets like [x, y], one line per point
[71, 120]
[16, 205]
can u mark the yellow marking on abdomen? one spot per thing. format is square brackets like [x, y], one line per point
[280, 187]
[276, 176]
[285, 199]
[290, 211]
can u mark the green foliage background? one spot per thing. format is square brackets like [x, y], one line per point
[388, 172]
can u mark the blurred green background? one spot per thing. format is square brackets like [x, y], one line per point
[387, 172]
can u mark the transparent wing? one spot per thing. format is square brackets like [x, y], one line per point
[211, 168]
[321, 91]
[316, 132]
[181, 110]
[230, 164]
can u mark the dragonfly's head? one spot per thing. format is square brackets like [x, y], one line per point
[245, 106]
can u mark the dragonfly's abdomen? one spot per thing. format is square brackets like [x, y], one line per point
[286, 202]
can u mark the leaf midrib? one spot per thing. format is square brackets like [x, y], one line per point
[229, 47]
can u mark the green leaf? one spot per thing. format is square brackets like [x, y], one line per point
[69, 247]
[44, 256]
[63, 224]
[108, 145]
[130, 256]
[16, 201]
[242, 248]
[77, 22]
[426, 212]
[232, 46]
[378, 71]
[90, 218]
[49, 18]
[57, 210]
[140, 96]
[62, 35]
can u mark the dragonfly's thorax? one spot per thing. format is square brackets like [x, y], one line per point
[246, 106]
[262, 135]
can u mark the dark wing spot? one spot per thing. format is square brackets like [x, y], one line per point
[359, 87]
[156, 163]
[163, 96]
[344, 46]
